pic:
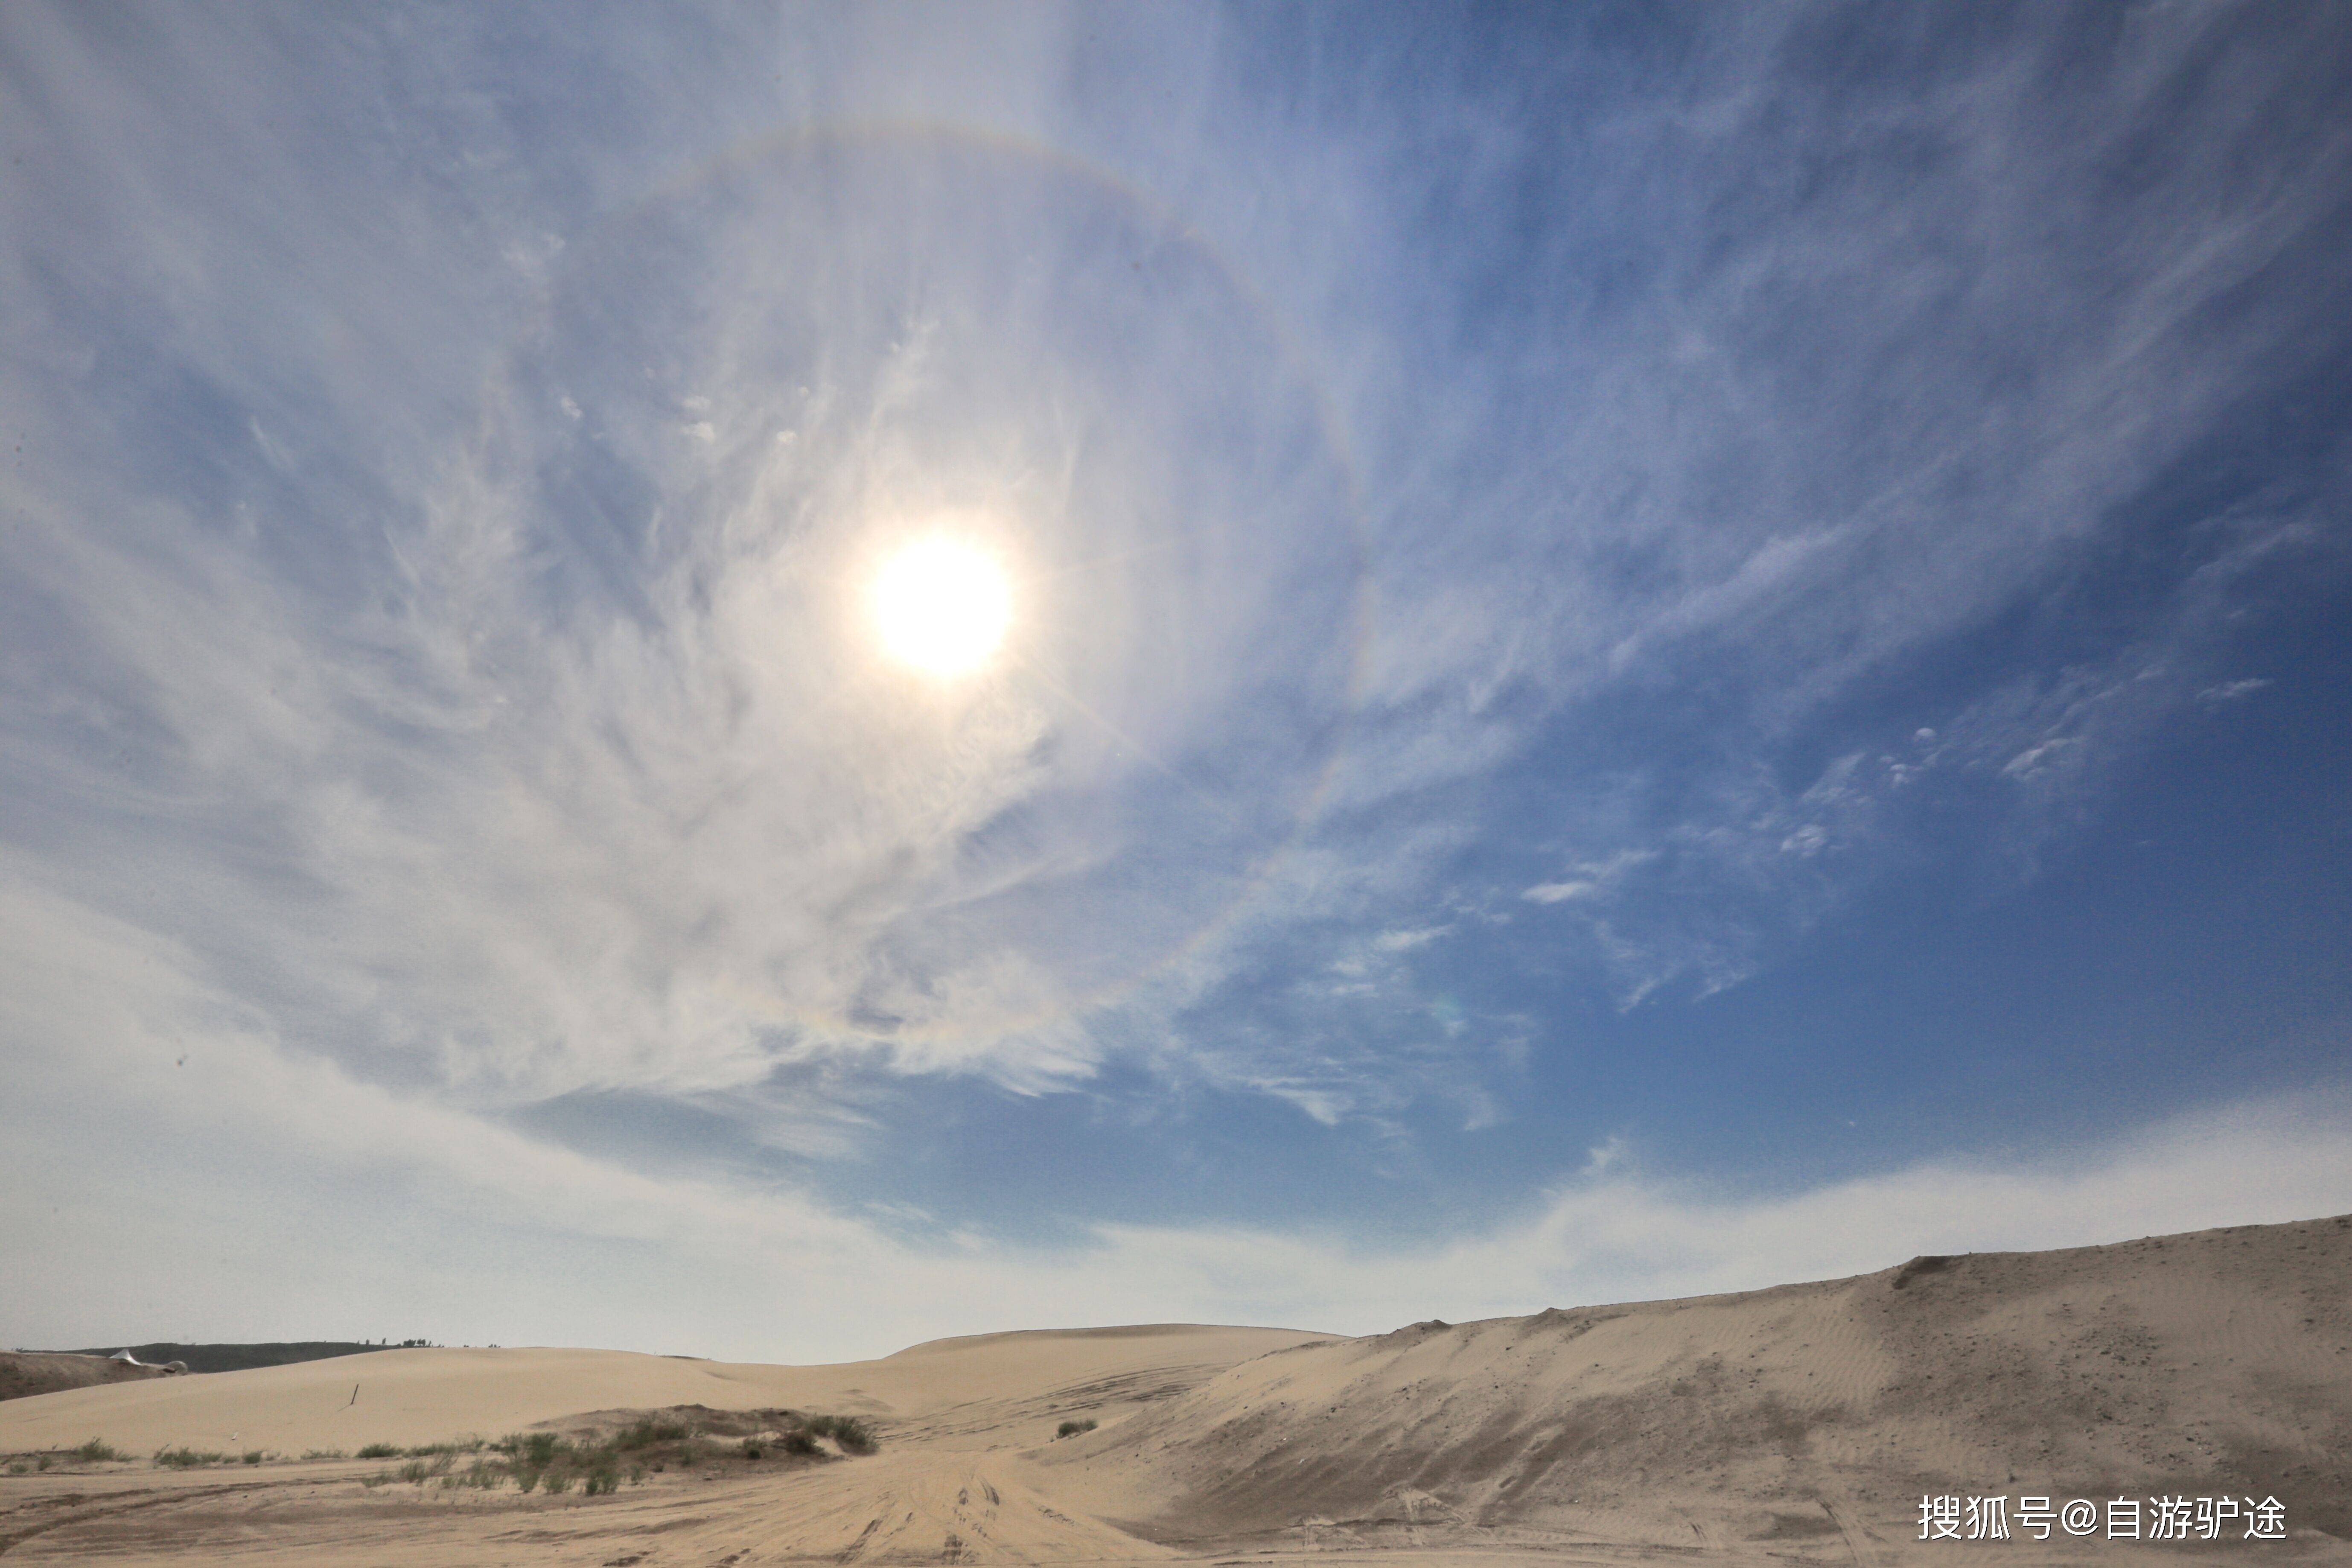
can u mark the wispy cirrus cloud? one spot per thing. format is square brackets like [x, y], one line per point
[1631, 490]
[561, 727]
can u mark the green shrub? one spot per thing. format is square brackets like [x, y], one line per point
[380, 1451]
[253, 1456]
[648, 1432]
[186, 1458]
[479, 1474]
[555, 1481]
[1071, 1429]
[535, 1450]
[97, 1451]
[526, 1479]
[846, 1430]
[324, 1454]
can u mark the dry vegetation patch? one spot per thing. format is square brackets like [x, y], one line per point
[597, 1453]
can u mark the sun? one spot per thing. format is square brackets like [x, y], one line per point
[941, 606]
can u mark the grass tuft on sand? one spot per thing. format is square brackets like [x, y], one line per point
[597, 1460]
[186, 1458]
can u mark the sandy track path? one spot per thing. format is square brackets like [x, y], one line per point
[913, 1507]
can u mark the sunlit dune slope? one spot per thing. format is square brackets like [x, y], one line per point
[2215, 1362]
[1795, 1425]
[414, 1397]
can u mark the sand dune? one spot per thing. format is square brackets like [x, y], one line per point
[2220, 1362]
[417, 1396]
[1796, 1425]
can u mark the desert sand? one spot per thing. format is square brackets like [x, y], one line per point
[417, 1396]
[1797, 1425]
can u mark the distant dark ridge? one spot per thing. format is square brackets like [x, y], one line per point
[238, 1358]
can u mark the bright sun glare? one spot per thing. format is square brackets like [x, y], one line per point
[943, 606]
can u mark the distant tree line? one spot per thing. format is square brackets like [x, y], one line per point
[241, 1358]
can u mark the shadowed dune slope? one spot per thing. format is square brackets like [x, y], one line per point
[1795, 1426]
[23, 1373]
[2215, 1362]
[242, 1357]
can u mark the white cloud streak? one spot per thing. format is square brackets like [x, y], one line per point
[352, 1183]
[508, 630]
[448, 451]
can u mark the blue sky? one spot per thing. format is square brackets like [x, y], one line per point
[1653, 651]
